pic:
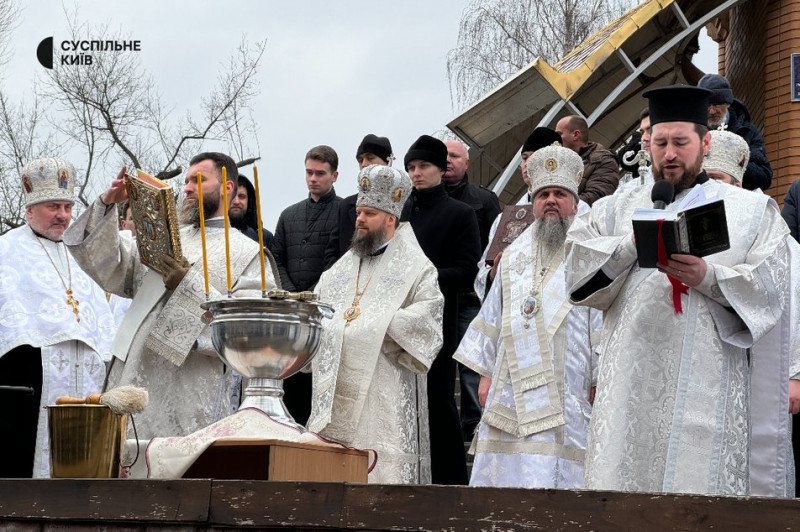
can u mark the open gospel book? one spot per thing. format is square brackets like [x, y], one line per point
[699, 227]
[155, 217]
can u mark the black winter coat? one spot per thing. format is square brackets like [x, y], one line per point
[791, 209]
[483, 202]
[759, 172]
[447, 231]
[341, 236]
[300, 239]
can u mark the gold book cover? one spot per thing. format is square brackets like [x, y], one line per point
[155, 217]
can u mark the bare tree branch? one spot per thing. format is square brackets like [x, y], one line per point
[112, 113]
[497, 38]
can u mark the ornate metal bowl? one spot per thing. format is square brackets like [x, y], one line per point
[266, 340]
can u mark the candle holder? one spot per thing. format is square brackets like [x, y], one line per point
[267, 340]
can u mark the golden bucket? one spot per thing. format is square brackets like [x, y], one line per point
[85, 441]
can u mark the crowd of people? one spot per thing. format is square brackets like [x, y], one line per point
[577, 366]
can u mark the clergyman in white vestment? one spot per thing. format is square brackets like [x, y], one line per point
[369, 371]
[774, 358]
[533, 348]
[163, 344]
[56, 326]
[672, 412]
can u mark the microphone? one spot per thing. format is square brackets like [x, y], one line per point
[663, 194]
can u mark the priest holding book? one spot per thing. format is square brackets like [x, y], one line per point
[163, 345]
[671, 412]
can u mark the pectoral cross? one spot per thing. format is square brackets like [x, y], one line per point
[72, 302]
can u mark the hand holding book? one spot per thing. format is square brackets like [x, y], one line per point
[688, 269]
[153, 207]
[699, 227]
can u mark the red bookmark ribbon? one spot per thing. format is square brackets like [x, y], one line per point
[678, 287]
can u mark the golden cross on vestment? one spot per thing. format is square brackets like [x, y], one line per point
[72, 302]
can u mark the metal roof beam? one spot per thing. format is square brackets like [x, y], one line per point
[644, 65]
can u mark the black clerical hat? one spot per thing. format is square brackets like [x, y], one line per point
[375, 145]
[678, 103]
[541, 137]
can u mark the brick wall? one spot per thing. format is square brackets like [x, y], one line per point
[755, 59]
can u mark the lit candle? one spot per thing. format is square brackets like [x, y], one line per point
[225, 218]
[260, 234]
[202, 229]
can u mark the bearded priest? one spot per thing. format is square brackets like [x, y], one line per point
[163, 344]
[532, 348]
[369, 386]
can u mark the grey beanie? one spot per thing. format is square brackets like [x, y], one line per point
[720, 88]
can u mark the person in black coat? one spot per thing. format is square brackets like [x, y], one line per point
[486, 207]
[723, 109]
[791, 209]
[447, 231]
[243, 213]
[372, 150]
[298, 246]
[791, 213]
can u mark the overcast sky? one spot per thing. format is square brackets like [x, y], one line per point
[332, 71]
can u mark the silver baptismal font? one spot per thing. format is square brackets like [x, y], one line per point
[267, 340]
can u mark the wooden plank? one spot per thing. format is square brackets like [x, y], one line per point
[100, 500]
[276, 504]
[450, 508]
[186, 505]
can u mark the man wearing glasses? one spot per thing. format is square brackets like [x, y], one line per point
[731, 114]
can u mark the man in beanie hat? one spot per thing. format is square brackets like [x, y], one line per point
[487, 208]
[725, 110]
[57, 327]
[532, 349]
[672, 410]
[372, 150]
[447, 231]
[164, 344]
[369, 371]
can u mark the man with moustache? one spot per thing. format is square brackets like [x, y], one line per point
[243, 214]
[533, 349]
[56, 327]
[369, 371]
[372, 150]
[447, 231]
[672, 412]
[163, 344]
[538, 139]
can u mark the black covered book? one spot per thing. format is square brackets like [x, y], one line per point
[701, 230]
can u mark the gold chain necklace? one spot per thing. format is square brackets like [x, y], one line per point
[71, 301]
[532, 302]
[354, 310]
